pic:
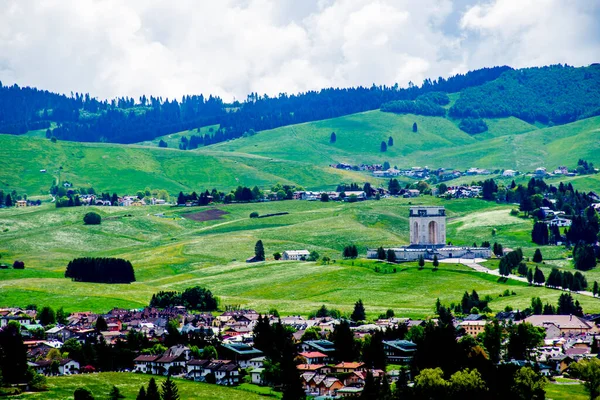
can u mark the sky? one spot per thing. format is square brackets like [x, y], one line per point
[229, 48]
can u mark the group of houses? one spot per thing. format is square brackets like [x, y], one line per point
[568, 339]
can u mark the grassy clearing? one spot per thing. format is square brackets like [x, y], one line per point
[566, 392]
[176, 252]
[129, 384]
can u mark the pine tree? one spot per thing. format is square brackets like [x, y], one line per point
[383, 147]
[435, 261]
[8, 202]
[391, 255]
[332, 138]
[414, 129]
[595, 348]
[152, 391]
[390, 141]
[529, 276]
[381, 255]
[101, 324]
[141, 394]
[595, 288]
[359, 312]
[537, 256]
[115, 394]
[169, 390]
[421, 262]
[259, 251]
[538, 276]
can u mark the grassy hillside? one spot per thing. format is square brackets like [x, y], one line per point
[62, 387]
[509, 143]
[298, 154]
[126, 169]
[177, 252]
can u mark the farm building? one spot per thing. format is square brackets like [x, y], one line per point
[295, 255]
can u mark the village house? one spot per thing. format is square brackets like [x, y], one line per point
[399, 351]
[225, 372]
[172, 361]
[561, 325]
[322, 346]
[314, 357]
[348, 367]
[295, 255]
[473, 328]
[240, 353]
[65, 366]
[21, 203]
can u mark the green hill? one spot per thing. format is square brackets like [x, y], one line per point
[126, 169]
[298, 154]
[509, 142]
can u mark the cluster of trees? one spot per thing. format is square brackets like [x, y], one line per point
[100, 270]
[556, 94]
[169, 391]
[389, 255]
[585, 168]
[473, 125]
[350, 251]
[13, 360]
[472, 304]
[280, 367]
[567, 280]
[126, 120]
[194, 298]
[510, 261]
[565, 306]
[9, 199]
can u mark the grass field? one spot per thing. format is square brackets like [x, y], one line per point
[298, 154]
[176, 252]
[62, 388]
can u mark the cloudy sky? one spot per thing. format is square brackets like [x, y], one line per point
[114, 48]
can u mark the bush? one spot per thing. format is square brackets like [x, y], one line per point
[277, 256]
[254, 214]
[92, 218]
[19, 265]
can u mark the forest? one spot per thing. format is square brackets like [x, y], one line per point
[556, 94]
[80, 117]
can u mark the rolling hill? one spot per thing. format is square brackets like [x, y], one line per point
[298, 154]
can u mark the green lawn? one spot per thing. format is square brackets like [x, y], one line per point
[566, 392]
[100, 384]
[176, 252]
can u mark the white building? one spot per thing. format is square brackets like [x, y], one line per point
[509, 172]
[428, 238]
[295, 255]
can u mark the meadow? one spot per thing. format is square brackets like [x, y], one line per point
[170, 251]
[298, 154]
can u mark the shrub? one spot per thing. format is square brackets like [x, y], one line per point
[473, 125]
[254, 214]
[92, 218]
[19, 265]
[277, 256]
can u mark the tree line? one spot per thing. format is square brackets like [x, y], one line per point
[194, 298]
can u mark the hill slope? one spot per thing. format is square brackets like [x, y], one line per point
[298, 154]
[126, 169]
[509, 143]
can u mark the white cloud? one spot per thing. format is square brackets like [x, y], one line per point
[232, 47]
